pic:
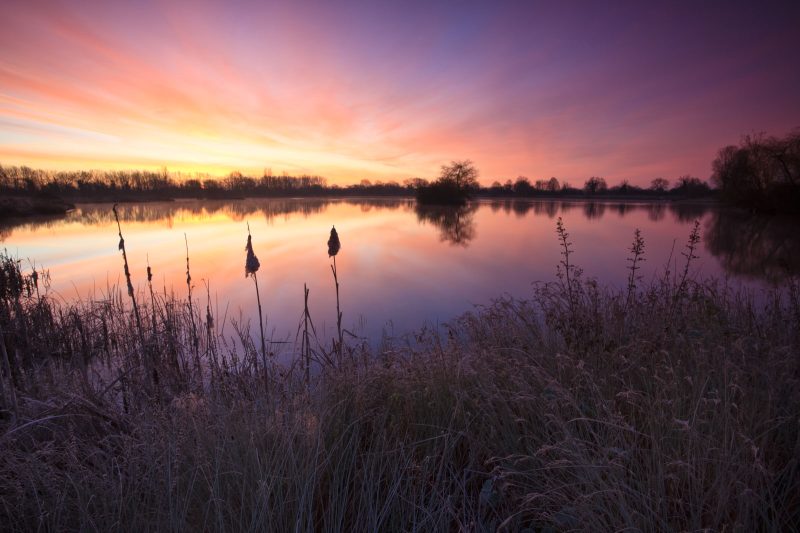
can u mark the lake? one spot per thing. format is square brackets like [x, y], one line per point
[401, 266]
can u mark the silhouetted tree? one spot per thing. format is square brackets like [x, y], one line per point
[523, 187]
[762, 173]
[659, 185]
[595, 185]
[455, 185]
[690, 186]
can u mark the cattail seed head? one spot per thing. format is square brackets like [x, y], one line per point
[333, 243]
[252, 264]
[149, 274]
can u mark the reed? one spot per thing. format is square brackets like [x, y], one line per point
[333, 249]
[127, 270]
[251, 267]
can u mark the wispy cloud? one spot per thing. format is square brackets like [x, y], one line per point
[366, 90]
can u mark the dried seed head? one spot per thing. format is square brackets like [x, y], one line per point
[333, 243]
[252, 264]
[121, 243]
[149, 274]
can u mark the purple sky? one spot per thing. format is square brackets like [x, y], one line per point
[354, 90]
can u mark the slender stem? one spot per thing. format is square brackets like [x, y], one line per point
[195, 340]
[128, 277]
[338, 312]
[7, 367]
[261, 328]
[306, 347]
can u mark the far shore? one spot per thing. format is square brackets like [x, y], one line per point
[32, 206]
[28, 206]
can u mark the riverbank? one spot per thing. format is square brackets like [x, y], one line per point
[13, 207]
[668, 406]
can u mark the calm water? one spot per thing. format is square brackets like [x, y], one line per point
[400, 267]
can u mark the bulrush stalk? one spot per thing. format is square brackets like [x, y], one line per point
[251, 267]
[306, 343]
[152, 296]
[128, 276]
[333, 248]
[210, 346]
[195, 340]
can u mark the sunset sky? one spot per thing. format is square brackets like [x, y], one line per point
[380, 90]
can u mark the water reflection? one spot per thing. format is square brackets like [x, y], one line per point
[656, 212]
[594, 210]
[689, 212]
[754, 246]
[456, 224]
[96, 214]
[237, 210]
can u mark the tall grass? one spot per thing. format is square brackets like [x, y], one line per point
[670, 406]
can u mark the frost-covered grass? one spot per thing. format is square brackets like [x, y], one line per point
[671, 406]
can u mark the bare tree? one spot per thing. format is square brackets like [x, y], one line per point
[659, 185]
[595, 185]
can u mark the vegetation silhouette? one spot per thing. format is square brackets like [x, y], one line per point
[52, 191]
[138, 185]
[456, 184]
[761, 173]
[456, 223]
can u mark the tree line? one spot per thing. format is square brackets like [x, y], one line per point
[762, 173]
[145, 184]
[458, 181]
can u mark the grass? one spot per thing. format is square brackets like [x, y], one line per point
[669, 406]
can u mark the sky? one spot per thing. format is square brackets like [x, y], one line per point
[392, 90]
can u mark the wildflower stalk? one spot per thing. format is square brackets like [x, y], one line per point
[636, 257]
[689, 254]
[567, 274]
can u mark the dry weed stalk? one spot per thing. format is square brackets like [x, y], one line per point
[636, 257]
